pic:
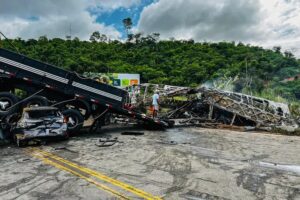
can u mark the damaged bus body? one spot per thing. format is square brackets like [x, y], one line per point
[187, 106]
[261, 112]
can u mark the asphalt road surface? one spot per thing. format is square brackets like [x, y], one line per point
[181, 163]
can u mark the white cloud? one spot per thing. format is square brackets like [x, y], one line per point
[114, 4]
[54, 18]
[260, 22]
[201, 20]
[56, 26]
[283, 17]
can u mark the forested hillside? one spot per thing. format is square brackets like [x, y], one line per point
[184, 63]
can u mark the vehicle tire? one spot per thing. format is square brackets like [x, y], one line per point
[36, 101]
[10, 121]
[82, 105]
[75, 120]
[7, 100]
[86, 106]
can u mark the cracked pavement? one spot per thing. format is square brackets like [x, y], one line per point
[198, 164]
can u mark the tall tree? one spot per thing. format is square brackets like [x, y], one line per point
[127, 22]
[98, 37]
[95, 36]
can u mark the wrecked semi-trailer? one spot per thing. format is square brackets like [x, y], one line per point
[41, 84]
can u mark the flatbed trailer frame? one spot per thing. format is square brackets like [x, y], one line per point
[56, 84]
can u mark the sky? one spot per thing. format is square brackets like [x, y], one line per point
[266, 23]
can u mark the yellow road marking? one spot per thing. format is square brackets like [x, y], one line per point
[100, 176]
[98, 185]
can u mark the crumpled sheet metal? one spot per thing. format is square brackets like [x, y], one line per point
[262, 111]
[55, 129]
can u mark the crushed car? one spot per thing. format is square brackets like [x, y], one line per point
[40, 123]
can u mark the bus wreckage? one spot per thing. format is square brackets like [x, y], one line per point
[209, 107]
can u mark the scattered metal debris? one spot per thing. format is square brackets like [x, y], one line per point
[181, 106]
[132, 133]
[64, 148]
[107, 142]
[213, 108]
[168, 142]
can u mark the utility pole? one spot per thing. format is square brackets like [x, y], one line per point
[70, 31]
[246, 69]
[69, 37]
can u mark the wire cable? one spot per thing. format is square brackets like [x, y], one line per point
[23, 100]
[10, 42]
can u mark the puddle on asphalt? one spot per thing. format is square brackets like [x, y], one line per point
[289, 168]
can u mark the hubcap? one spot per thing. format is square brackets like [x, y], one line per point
[72, 122]
[4, 105]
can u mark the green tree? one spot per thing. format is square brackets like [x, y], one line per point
[127, 22]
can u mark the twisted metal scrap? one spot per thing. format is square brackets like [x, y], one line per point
[252, 108]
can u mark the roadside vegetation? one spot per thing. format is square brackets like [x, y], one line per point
[255, 70]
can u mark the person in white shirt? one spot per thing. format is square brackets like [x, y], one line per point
[155, 103]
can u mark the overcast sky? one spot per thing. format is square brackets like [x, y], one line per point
[266, 23]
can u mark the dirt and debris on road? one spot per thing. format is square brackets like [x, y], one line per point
[180, 163]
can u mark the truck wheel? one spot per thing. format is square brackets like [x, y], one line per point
[86, 106]
[7, 100]
[75, 120]
[36, 101]
[83, 106]
[10, 121]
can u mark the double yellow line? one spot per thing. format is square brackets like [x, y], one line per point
[86, 174]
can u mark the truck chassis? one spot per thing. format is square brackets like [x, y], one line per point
[76, 96]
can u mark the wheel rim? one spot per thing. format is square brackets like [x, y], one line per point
[72, 122]
[5, 104]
